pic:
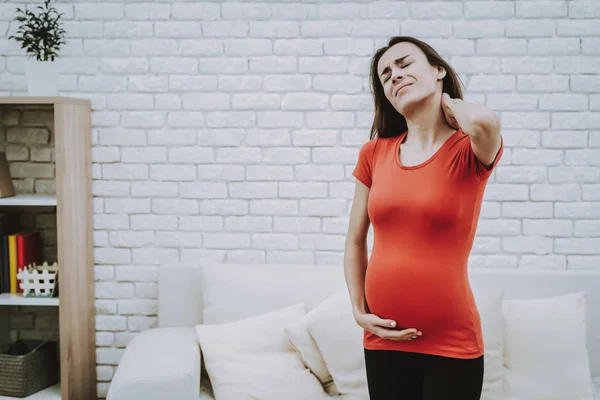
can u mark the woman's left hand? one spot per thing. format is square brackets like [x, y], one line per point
[447, 103]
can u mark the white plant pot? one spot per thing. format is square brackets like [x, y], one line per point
[42, 77]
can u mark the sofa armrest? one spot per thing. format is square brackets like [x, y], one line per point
[158, 364]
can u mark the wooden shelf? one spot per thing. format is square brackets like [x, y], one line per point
[75, 247]
[51, 393]
[43, 100]
[33, 200]
[8, 299]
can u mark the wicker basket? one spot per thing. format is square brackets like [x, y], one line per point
[28, 366]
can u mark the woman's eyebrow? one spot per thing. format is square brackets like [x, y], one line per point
[396, 61]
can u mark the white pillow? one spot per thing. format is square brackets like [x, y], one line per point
[545, 352]
[489, 305]
[340, 340]
[308, 351]
[252, 358]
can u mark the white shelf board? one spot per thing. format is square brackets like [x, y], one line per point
[31, 199]
[50, 393]
[8, 299]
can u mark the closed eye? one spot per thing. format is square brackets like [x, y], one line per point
[388, 76]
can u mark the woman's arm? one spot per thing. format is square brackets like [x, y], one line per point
[355, 251]
[477, 121]
[356, 257]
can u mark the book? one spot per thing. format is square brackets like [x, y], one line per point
[9, 223]
[29, 249]
[12, 262]
[4, 264]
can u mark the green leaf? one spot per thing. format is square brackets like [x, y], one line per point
[40, 34]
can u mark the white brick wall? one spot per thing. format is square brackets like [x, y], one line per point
[229, 130]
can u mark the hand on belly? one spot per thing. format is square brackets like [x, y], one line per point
[386, 329]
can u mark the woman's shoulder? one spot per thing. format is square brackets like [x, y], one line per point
[379, 141]
[375, 145]
[369, 145]
[459, 140]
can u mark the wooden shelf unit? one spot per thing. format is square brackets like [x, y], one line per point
[73, 202]
[8, 299]
[29, 200]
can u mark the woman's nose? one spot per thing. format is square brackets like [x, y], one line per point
[397, 74]
[396, 71]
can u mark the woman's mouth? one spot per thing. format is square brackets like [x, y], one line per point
[402, 87]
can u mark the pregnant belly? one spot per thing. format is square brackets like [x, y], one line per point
[431, 299]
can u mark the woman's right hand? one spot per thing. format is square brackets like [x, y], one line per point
[385, 328]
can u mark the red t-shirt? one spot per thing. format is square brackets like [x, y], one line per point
[424, 220]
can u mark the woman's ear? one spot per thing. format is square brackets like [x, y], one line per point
[441, 72]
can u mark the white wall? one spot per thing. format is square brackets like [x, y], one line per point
[229, 130]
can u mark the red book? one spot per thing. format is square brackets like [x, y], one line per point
[29, 250]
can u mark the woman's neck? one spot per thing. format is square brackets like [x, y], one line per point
[427, 125]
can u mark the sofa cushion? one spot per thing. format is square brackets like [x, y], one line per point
[545, 353]
[252, 358]
[230, 291]
[340, 341]
[305, 344]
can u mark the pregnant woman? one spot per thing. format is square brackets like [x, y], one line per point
[420, 183]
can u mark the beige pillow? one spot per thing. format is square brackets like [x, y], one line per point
[252, 358]
[307, 348]
[340, 341]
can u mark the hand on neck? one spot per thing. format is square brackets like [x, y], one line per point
[427, 127]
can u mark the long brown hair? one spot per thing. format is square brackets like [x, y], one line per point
[388, 122]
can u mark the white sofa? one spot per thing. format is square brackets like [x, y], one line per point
[165, 362]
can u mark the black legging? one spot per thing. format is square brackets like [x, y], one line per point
[398, 375]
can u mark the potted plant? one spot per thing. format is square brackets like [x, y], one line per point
[41, 35]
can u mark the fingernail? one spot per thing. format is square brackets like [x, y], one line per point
[393, 323]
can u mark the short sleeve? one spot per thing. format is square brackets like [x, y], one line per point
[473, 165]
[364, 165]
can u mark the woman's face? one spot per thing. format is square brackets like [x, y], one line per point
[406, 76]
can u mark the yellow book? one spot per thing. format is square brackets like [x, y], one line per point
[12, 262]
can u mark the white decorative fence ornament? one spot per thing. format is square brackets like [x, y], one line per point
[39, 280]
